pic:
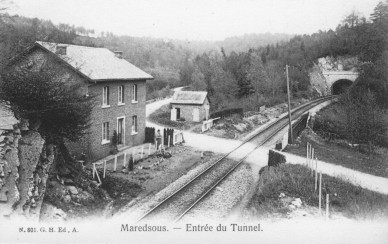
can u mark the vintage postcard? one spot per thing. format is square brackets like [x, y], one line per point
[182, 121]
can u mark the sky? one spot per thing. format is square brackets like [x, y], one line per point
[195, 19]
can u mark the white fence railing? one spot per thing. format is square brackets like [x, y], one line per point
[206, 125]
[136, 153]
[178, 137]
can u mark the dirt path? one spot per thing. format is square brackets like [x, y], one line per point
[368, 181]
[260, 156]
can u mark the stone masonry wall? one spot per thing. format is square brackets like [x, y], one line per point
[187, 110]
[23, 173]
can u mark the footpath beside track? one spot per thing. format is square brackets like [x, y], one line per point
[176, 205]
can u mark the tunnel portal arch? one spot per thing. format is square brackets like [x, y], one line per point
[340, 86]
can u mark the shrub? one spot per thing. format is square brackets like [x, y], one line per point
[255, 120]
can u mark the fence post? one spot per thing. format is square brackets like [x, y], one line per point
[125, 159]
[115, 164]
[312, 162]
[316, 175]
[320, 193]
[307, 154]
[104, 169]
[94, 170]
[149, 149]
[327, 206]
[98, 177]
[169, 140]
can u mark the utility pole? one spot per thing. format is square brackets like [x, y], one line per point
[290, 137]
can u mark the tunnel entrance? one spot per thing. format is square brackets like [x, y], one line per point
[340, 86]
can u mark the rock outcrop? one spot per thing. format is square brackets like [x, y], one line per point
[24, 164]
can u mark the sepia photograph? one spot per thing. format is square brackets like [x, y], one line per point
[194, 121]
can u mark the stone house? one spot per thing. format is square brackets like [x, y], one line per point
[191, 106]
[118, 86]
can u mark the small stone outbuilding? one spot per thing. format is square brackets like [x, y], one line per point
[190, 106]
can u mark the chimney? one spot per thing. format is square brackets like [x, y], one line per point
[61, 49]
[118, 54]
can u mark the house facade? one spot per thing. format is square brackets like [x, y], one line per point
[119, 89]
[192, 106]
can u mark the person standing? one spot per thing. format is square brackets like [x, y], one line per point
[158, 139]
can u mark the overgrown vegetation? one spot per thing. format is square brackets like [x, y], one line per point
[53, 107]
[340, 151]
[258, 74]
[162, 116]
[295, 180]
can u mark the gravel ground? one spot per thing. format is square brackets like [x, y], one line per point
[183, 199]
[238, 181]
[139, 207]
[220, 202]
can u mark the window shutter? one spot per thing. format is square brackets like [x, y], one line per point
[122, 94]
[107, 95]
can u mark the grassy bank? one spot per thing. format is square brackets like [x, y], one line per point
[295, 181]
[162, 116]
[340, 153]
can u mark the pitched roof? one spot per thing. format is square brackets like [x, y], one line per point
[189, 97]
[97, 63]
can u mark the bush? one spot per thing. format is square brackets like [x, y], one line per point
[255, 120]
[296, 181]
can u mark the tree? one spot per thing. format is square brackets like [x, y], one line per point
[257, 76]
[55, 110]
[380, 13]
[276, 76]
[185, 72]
[364, 123]
[225, 87]
[114, 142]
[353, 19]
[51, 104]
[198, 81]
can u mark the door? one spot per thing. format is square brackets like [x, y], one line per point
[196, 115]
[173, 114]
[120, 134]
[178, 113]
[207, 107]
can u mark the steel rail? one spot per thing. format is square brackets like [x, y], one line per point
[237, 164]
[276, 122]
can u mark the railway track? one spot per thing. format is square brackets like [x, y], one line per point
[178, 204]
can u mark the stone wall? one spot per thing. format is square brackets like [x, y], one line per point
[187, 110]
[24, 165]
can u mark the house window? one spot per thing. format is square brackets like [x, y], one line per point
[134, 93]
[105, 132]
[105, 96]
[134, 124]
[121, 95]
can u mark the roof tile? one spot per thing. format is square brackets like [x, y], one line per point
[97, 63]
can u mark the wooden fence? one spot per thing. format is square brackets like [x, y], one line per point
[227, 113]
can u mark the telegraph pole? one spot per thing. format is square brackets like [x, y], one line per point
[290, 137]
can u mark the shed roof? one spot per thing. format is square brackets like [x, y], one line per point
[189, 97]
[97, 63]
